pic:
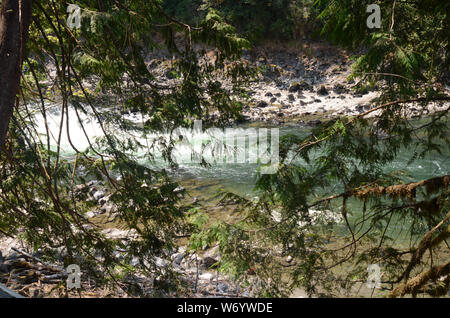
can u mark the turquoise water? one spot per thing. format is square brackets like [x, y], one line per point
[231, 177]
[237, 177]
[240, 178]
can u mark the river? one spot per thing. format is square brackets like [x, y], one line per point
[203, 182]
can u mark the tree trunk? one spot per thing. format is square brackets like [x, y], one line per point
[15, 18]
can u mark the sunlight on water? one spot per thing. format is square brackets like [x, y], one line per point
[235, 177]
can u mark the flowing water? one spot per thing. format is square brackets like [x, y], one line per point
[205, 182]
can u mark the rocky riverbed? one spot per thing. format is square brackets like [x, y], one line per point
[302, 85]
[26, 274]
[22, 270]
[307, 88]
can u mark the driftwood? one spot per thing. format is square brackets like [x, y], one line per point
[45, 265]
[53, 279]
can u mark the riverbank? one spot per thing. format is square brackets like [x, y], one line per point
[304, 83]
[22, 270]
[310, 83]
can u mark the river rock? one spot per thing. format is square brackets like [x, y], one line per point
[178, 258]
[92, 190]
[207, 263]
[134, 261]
[92, 183]
[4, 268]
[90, 214]
[213, 253]
[179, 190]
[314, 123]
[359, 108]
[206, 276]
[339, 88]
[322, 91]
[223, 287]
[295, 87]
[104, 200]
[81, 188]
[114, 233]
[98, 195]
[262, 104]
[161, 263]
[108, 209]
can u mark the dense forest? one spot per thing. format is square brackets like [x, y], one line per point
[198, 148]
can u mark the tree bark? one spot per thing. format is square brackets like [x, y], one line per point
[15, 18]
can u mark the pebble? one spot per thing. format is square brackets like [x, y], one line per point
[178, 258]
[222, 287]
[262, 104]
[98, 195]
[159, 262]
[322, 91]
[206, 276]
[179, 190]
[207, 262]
